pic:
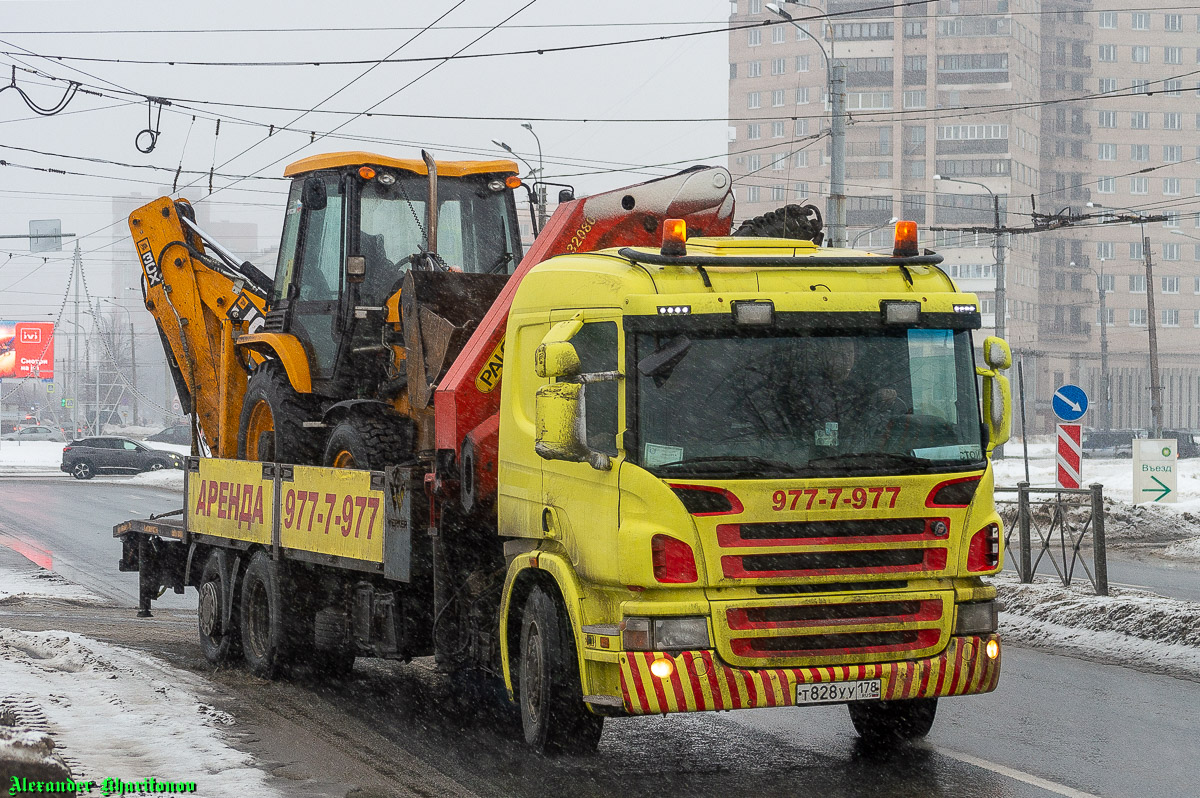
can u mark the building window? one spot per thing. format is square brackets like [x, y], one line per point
[868, 100]
[1137, 283]
[801, 95]
[1139, 185]
[1196, 318]
[754, 69]
[752, 195]
[753, 131]
[1108, 20]
[1139, 152]
[1138, 120]
[1172, 219]
[1108, 85]
[1106, 185]
[1173, 87]
[1140, 86]
[777, 98]
[754, 163]
[1172, 153]
[1170, 318]
[754, 7]
[754, 37]
[1170, 285]
[1107, 118]
[1173, 22]
[1141, 54]
[778, 66]
[1108, 283]
[1137, 317]
[1108, 52]
[779, 161]
[1105, 250]
[916, 99]
[1112, 317]
[754, 100]
[733, 71]
[1135, 253]
[1173, 120]
[1171, 186]
[1172, 55]
[800, 128]
[800, 159]
[779, 34]
[800, 191]
[779, 193]
[1106, 152]
[1141, 20]
[801, 63]
[778, 129]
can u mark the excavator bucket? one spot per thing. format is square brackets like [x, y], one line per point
[439, 311]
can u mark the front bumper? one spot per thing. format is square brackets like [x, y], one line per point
[700, 682]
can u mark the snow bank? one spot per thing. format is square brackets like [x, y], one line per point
[19, 585]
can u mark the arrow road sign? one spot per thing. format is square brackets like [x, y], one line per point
[1162, 490]
[1070, 403]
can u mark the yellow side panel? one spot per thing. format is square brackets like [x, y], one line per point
[332, 511]
[231, 499]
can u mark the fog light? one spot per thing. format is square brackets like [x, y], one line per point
[681, 633]
[993, 649]
[635, 634]
[662, 668]
[976, 619]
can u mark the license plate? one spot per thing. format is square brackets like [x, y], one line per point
[835, 692]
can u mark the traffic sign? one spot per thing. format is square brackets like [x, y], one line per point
[1155, 475]
[1070, 403]
[1069, 456]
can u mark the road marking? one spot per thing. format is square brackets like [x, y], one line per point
[1012, 773]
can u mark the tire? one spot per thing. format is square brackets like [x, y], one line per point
[337, 661]
[553, 715]
[263, 632]
[219, 640]
[271, 426]
[83, 470]
[893, 721]
[369, 441]
[801, 222]
[157, 465]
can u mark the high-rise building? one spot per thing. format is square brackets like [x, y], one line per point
[959, 107]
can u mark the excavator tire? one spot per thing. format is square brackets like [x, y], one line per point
[370, 441]
[271, 427]
[791, 221]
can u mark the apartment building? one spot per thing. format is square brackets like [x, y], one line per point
[958, 106]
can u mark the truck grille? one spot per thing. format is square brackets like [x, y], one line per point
[833, 563]
[854, 628]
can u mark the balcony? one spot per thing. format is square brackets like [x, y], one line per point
[1064, 329]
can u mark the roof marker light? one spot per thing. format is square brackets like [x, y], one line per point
[366, 172]
[674, 241]
[512, 181]
[906, 240]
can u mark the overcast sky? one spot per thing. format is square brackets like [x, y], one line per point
[93, 137]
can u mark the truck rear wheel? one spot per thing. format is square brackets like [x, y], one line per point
[892, 721]
[219, 639]
[271, 426]
[553, 715]
[264, 635]
[369, 441]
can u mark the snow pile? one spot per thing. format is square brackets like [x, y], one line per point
[17, 586]
[115, 712]
[1129, 627]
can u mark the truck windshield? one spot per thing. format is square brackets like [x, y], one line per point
[477, 229]
[805, 404]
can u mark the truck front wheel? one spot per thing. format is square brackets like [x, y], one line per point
[219, 639]
[264, 636]
[892, 721]
[549, 694]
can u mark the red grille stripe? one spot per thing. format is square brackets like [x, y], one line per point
[747, 647]
[934, 560]
[730, 536]
[711, 672]
[635, 672]
[693, 679]
[657, 683]
[735, 697]
[739, 619]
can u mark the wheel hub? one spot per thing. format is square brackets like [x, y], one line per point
[531, 676]
[210, 610]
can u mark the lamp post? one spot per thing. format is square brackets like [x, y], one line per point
[998, 252]
[854, 242]
[1156, 409]
[1102, 289]
[537, 226]
[836, 82]
[541, 189]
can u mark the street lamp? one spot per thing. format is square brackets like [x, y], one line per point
[1156, 409]
[541, 188]
[836, 80]
[998, 252]
[854, 243]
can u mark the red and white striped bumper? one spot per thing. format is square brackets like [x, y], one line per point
[700, 682]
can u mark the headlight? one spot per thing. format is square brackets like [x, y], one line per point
[977, 619]
[664, 634]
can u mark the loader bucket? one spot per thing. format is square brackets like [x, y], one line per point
[439, 311]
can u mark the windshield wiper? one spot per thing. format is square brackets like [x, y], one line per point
[721, 463]
[871, 460]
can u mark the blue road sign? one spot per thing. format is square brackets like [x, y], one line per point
[1070, 403]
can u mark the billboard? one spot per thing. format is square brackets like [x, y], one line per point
[27, 349]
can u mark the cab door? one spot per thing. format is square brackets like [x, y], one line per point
[581, 502]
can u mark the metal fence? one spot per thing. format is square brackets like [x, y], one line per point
[1056, 525]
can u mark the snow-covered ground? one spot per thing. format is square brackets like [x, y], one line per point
[112, 711]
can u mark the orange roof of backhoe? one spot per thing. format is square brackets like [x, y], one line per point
[337, 160]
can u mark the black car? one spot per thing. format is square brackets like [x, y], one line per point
[180, 434]
[85, 458]
[1186, 445]
[1110, 443]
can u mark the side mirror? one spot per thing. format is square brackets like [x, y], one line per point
[556, 359]
[356, 268]
[313, 196]
[559, 426]
[996, 352]
[997, 409]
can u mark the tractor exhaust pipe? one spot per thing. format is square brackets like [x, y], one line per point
[431, 207]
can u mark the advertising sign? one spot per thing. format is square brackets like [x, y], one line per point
[27, 349]
[1155, 476]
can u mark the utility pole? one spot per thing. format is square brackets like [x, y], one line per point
[77, 278]
[1156, 410]
[1001, 293]
[1104, 388]
[837, 161]
[133, 373]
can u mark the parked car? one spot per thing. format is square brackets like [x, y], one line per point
[1110, 443]
[34, 434]
[85, 458]
[1186, 444]
[180, 434]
